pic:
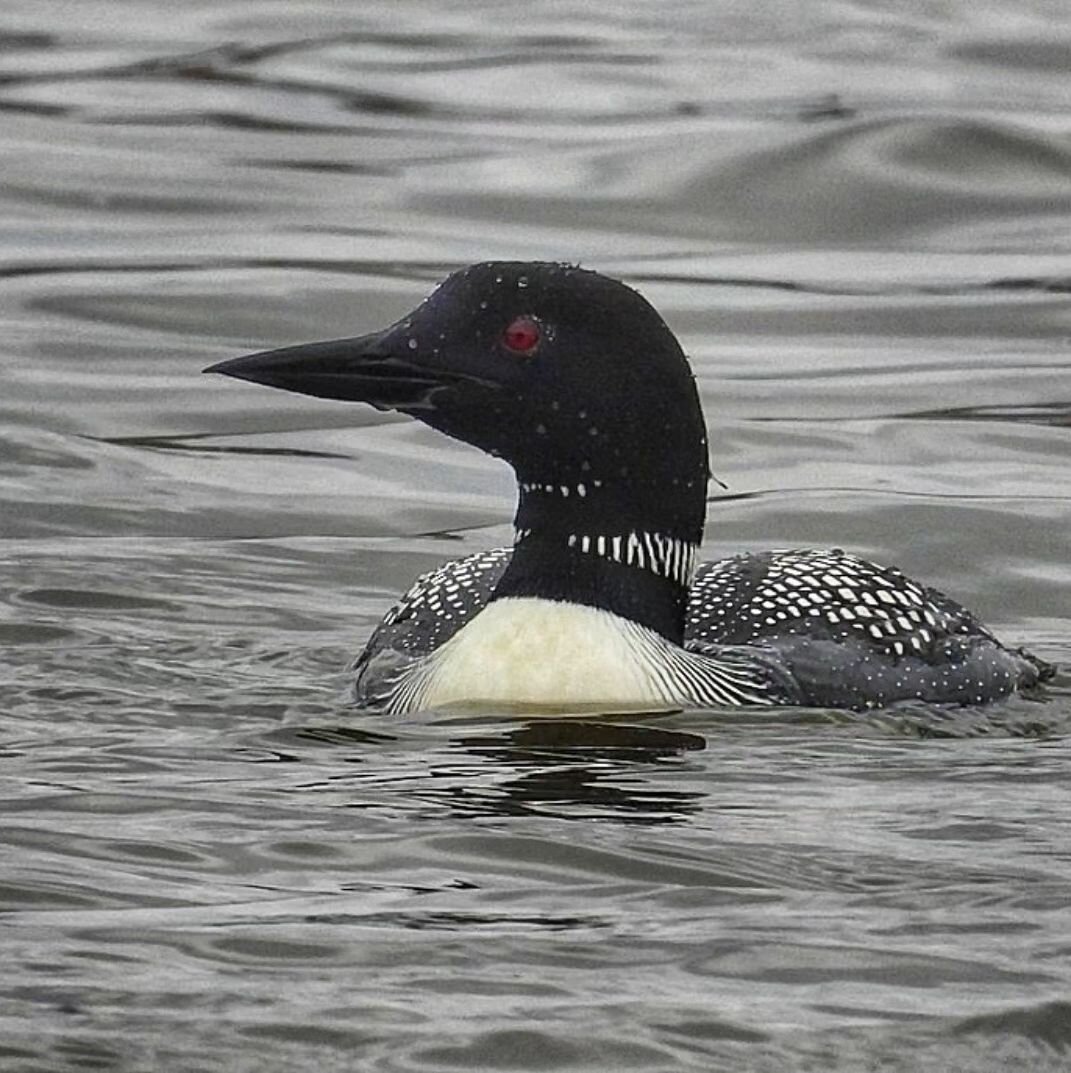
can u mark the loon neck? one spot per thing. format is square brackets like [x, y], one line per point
[583, 544]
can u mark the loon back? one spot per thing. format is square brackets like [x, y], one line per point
[576, 382]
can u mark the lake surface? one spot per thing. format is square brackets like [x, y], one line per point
[857, 217]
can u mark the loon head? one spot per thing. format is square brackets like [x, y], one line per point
[573, 379]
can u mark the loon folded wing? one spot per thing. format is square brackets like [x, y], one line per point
[850, 633]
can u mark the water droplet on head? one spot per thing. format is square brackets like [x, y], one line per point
[412, 343]
[522, 281]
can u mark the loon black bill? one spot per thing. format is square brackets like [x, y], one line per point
[354, 370]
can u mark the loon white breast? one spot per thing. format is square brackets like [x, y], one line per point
[576, 381]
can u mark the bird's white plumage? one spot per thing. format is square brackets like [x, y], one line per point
[550, 654]
[545, 653]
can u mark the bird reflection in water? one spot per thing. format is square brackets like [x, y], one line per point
[567, 768]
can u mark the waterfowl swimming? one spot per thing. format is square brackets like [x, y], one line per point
[575, 380]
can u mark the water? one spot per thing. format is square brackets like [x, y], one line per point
[857, 218]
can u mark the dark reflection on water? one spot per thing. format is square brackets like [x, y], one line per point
[575, 737]
[569, 770]
[575, 763]
[344, 735]
[1057, 414]
[856, 217]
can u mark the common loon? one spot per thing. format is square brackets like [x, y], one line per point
[575, 380]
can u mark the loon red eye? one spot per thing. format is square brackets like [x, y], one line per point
[522, 335]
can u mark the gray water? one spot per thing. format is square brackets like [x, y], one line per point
[857, 216]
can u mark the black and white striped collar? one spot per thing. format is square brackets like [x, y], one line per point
[666, 556]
